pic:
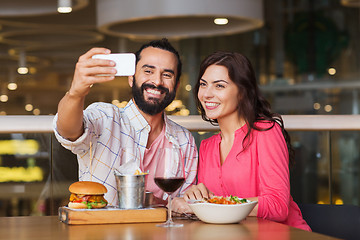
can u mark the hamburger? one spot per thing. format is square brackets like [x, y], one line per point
[86, 194]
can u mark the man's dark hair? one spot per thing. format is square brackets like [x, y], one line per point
[163, 44]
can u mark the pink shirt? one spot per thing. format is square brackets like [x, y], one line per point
[260, 171]
[149, 164]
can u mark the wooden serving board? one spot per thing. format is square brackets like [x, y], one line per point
[111, 215]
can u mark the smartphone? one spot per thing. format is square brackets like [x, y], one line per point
[125, 62]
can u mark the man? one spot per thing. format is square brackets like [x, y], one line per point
[98, 133]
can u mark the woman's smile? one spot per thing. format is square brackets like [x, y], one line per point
[211, 105]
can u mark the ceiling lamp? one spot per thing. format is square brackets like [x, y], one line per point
[221, 21]
[29, 107]
[22, 69]
[176, 19]
[64, 6]
[4, 98]
[3, 95]
[36, 7]
[12, 85]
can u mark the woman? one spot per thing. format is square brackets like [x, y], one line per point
[250, 156]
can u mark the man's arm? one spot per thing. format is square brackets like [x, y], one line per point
[70, 116]
[88, 71]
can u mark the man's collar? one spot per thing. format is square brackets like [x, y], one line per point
[170, 131]
[139, 122]
[136, 119]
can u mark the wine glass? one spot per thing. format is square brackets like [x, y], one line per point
[169, 176]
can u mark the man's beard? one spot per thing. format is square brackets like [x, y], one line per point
[153, 105]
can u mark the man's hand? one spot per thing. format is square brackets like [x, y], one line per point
[89, 71]
[179, 205]
[197, 192]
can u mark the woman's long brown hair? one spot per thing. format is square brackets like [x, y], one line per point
[252, 106]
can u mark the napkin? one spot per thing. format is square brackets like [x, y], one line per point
[128, 168]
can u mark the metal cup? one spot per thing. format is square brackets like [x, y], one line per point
[131, 190]
[148, 199]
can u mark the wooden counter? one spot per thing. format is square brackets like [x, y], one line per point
[49, 227]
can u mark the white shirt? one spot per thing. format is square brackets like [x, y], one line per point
[107, 129]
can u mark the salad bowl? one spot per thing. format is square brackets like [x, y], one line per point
[221, 213]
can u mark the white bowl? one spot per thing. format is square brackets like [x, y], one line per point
[221, 213]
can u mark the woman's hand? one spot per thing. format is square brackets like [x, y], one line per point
[198, 192]
[255, 209]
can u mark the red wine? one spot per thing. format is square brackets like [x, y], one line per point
[169, 185]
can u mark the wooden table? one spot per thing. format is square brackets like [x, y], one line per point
[49, 227]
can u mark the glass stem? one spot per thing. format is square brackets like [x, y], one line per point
[169, 209]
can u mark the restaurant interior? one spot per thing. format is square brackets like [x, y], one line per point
[306, 55]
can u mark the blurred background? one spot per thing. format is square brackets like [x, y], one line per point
[306, 55]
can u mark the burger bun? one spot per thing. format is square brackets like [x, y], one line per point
[84, 206]
[87, 188]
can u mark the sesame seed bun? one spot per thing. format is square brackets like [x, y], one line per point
[87, 188]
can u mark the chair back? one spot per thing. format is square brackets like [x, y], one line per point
[341, 221]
